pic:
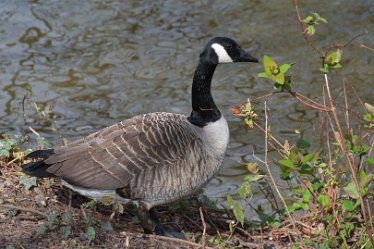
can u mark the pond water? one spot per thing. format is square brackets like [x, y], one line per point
[97, 62]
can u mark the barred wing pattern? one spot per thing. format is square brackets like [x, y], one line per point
[156, 158]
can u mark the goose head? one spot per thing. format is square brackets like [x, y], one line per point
[225, 50]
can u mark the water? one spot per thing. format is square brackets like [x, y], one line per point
[98, 62]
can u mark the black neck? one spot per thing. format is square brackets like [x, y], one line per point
[204, 110]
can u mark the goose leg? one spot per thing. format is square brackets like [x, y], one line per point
[149, 217]
[159, 229]
[144, 217]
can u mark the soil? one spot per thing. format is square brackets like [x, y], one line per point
[51, 216]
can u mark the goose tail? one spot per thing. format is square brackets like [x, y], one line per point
[38, 168]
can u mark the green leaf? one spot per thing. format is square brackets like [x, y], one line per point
[107, 200]
[298, 206]
[244, 190]
[307, 196]
[310, 30]
[65, 231]
[316, 15]
[252, 168]
[322, 20]
[238, 213]
[6, 146]
[287, 163]
[308, 19]
[285, 175]
[40, 230]
[278, 78]
[106, 225]
[365, 180]
[276, 224]
[325, 68]
[304, 206]
[263, 75]
[370, 161]
[52, 218]
[334, 57]
[67, 217]
[249, 121]
[90, 220]
[303, 144]
[90, 233]
[306, 169]
[284, 68]
[215, 240]
[270, 66]
[323, 200]
[351, 190]
[348, 205]
[307, 158]
[230, 202]
[27, 181]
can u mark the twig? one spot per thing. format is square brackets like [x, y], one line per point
[263, 96]
[244, 232]
[204, 227]
[192, 221]
[269, 135]
[34, 131]
[346, 112]
[12, 161]
[9, 206]
[345, 45]
[20, 245]
[269, 171]
[368, 48]
[345, 81]
[315, 104]
[166, 239]
[354, 38]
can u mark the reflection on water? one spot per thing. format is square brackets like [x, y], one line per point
[98, 62]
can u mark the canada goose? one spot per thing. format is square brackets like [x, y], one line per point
[154, 158]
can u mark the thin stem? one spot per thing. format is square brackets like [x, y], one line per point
[345, 45]
[268, 134]
[315, 106]
[270, 173]
[8, 206]
[368, 48]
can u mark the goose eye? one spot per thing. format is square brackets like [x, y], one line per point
[228, 46]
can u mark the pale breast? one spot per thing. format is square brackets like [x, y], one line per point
[215, 136]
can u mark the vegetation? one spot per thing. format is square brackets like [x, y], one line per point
[330, 184]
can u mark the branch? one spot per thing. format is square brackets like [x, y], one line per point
[8, 206]
[368, 48]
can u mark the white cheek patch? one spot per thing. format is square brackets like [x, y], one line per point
[223, 56]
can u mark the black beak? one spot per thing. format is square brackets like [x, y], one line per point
[245, 57]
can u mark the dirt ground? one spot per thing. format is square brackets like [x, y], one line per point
[51, 216]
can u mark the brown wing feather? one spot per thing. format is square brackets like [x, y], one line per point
[112, 157]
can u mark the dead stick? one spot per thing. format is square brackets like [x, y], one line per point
[368, 48]
[204, 226]
[8, 206]
[162, 238]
